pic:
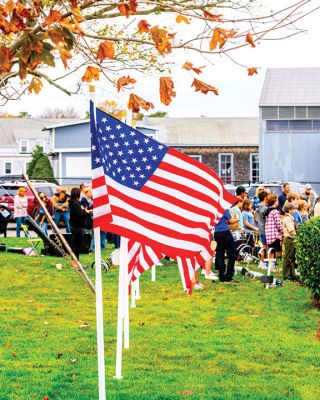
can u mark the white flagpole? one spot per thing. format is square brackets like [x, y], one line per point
[137, 284]
[125, 296]
[122, 291]
[99, 303]
[133, 295]
[153, 273]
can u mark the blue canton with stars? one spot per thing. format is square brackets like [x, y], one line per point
[127, 155]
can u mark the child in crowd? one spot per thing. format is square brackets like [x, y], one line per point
[248, 220]
[273, 228]
[289, 232]
[261, 220]
[294, 198]
[303, 210]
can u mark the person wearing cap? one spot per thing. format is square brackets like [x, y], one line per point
[20, 209]
[308, 196]
[289, 233]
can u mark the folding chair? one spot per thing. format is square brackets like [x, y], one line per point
[34, 242]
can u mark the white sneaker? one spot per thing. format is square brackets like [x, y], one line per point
[203, 271]
[262, 265]
[211, 277]
[198, 286]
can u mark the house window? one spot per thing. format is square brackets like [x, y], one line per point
[196, 157]
[254, 168]
[226, 167]
[40, 143]
[8, 168]
[23, 146]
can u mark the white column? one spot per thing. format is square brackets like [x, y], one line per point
[153, 273]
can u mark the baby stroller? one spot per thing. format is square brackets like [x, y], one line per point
[5, 215]
[245, 246]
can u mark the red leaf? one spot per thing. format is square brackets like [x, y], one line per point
[212, 17]
[106, 50]
[135, 102]
[186, 392]
[143, 26]
[124, 81]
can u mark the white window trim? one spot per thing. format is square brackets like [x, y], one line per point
[41, 143]
[27, 146]
[232, 164]
[4, 167]
[197, 157]
[251, 162]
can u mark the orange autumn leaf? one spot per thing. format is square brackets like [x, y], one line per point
[160, 38]
[54, 16]
[92, 73]
[106, 50]
[166, 90]
[143, 26]
[249, 39]
[220, 36]
[252, 70]
[189, 66]
[204, 87]
[65, 55]
[135, 102]
[77, 14]
[128, 8]
[124, 81]
[5, 59]
[9, 6]
[182, 18]
[35, 86]
[212, 17]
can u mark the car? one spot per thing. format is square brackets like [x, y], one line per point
[9, 189]
[277, 188]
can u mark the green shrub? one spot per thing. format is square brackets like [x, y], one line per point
[308, 255]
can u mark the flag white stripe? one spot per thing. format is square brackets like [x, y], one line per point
[99, 191]
[187, 182]
[152, 254]
[168, 241]
[165, 205]
[157, 219]
[101, 210]
[182, 196]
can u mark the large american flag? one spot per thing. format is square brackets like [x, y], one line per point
[165, 202]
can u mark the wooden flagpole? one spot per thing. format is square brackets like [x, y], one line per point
[99, 299]
[75, 262]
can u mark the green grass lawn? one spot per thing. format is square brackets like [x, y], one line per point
[231, 341]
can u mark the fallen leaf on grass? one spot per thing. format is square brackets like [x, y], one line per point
[73, 360]
[292, 289]
[14, 354]
[58, 313]
[30, 301]
[45, 397]
[141, 323]
[16, 270]
[46, 323]
[186, 392]
[8, 345]
[85, 325]
[59, 355]
[165, 298]
[73, 376]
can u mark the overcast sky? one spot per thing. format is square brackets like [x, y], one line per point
[239, 94]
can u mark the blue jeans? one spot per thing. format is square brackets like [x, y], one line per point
[65, 216]
[103, 244]
[19, 222]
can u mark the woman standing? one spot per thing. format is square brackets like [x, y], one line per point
[20, 208]
[77, 221]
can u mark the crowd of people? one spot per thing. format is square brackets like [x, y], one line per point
[269, 219]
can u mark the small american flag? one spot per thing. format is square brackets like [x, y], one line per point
[156, 196]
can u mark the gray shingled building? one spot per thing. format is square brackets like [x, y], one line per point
[290, 125]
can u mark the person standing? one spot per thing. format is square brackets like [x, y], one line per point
[225, 244]
[60, 203]
[283, 197]
[308, 196]
[289, 233]
[78, 216]
[303, 210]
[20, 209]
[316, 211]
[273, 227]
[261, 219]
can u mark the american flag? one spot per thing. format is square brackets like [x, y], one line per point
[156, 196]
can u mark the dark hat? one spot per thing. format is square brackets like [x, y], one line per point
[240, 189]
